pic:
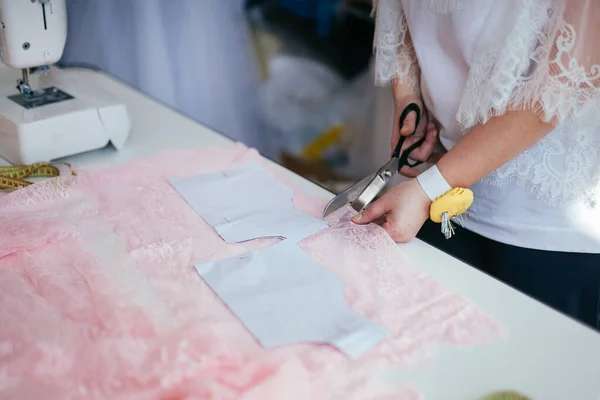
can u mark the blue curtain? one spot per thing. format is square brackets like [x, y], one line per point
[195, 55]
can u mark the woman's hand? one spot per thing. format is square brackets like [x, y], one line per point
[405, 208]
[426, 128]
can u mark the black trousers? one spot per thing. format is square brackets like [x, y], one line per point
[567, 282]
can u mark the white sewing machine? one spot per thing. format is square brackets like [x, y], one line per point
[44, 115]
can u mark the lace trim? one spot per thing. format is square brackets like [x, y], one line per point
[535, 68]
[395, 56]
[532, 68]
[47, 190]
[105, 282]
[561, 169]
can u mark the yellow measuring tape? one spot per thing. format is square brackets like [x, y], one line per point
[13, 177]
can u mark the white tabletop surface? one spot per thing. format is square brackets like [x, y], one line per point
[545, 355]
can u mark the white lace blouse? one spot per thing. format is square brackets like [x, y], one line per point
[475, 59]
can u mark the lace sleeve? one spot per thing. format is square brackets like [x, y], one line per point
[540, 55]
[395, 56]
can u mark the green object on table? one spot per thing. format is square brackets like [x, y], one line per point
[505, 396]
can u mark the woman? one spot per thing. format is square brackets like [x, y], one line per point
[511, 88]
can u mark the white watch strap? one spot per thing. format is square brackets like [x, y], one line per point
[433, 183]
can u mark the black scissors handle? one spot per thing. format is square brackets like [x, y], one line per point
[403, 158]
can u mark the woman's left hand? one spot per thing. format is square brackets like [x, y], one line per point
[405, 208]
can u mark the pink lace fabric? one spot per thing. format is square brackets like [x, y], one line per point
[100, 299]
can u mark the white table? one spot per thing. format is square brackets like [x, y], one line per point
[546, 355]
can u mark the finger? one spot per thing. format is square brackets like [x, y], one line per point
[432, 133]
[410, 172]
[409, 141]
[424, 151]
[408, 126]
[375, 211]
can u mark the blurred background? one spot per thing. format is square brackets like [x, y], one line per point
[291, 78]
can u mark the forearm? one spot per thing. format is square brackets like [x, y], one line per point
[488, 146]
[405, 88]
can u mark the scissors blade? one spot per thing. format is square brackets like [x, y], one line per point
[348, 195]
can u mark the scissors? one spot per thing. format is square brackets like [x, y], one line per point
[361, 194]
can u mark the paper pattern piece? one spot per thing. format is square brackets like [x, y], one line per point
[284, 297]
[246, 203]
[280, 294]
[100, 299]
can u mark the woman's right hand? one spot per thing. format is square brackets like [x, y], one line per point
[426, 128]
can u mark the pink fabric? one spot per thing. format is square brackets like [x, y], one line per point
[100, 300]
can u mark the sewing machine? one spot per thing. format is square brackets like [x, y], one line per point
[45, 115]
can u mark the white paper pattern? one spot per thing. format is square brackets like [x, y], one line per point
[280, 293]
[246, 203]
[285, 297]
